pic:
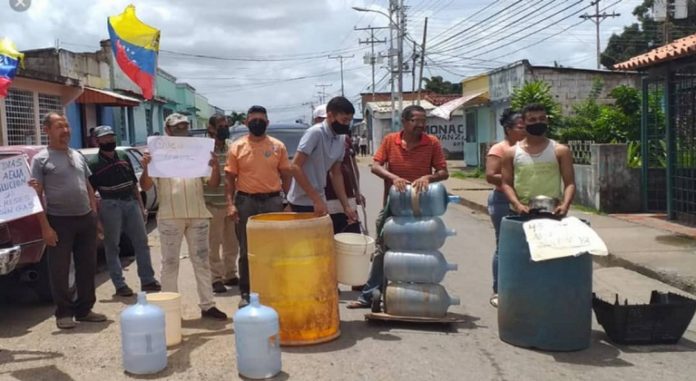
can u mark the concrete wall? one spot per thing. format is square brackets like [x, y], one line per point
[607, 184]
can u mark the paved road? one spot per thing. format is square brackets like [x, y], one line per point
[31, 348]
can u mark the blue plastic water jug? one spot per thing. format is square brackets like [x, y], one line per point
[418, 300]
[143, 340]
[416, 267]
[257, 339]
[415, 233]
[545, 305]
[431, 203]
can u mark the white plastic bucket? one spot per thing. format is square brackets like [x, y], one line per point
[170, 302]
[353, 252]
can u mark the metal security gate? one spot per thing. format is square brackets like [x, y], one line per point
[682, 121]
[654, 146]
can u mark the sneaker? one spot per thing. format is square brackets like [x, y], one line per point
[151, 287]
[91, 317]
[219, 288]
[124, 291]
[65, 322]
[214, 313]
[494, 300]
[244, 302]
[232, 282]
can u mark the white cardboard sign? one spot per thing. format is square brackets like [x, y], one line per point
[183, 157]
[17, 198]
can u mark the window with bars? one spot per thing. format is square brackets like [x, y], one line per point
[21, 126]
[48, 103]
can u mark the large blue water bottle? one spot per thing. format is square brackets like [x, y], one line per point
[416, 267]
[432, 202]
[545, 305]
[257, 340]
[415, 234]
[143, 339]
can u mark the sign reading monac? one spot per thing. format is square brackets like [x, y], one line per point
[451, 133]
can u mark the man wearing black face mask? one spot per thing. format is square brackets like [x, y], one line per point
[321, 151]
[121, 210]
[538, 166]
[222, 239]
[257, 170]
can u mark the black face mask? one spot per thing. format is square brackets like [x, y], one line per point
[537, 129]
[108, 147]
[340, 129]
[257, 127]
[223, 133]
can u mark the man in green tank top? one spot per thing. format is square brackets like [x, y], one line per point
[538, 166]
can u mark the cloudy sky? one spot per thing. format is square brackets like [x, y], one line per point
[275, 52]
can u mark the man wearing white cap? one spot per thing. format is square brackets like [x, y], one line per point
[182, 212]
[121, 210]
[319, 114]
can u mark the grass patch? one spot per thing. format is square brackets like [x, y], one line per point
[469, 174]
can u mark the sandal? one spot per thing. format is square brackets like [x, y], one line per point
[358, 304]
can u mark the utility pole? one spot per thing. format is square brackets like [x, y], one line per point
[373, 58]
[597, 18]
[422, 61]
[413, 68]
[322, 92]
[340, 57]
[400, 67]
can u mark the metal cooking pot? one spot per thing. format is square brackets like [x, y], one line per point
[543, 204]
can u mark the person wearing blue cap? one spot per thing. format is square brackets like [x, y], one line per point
[121, 210]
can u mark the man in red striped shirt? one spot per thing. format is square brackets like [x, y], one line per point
[407, 157]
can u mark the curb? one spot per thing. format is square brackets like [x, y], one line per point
[612, 260]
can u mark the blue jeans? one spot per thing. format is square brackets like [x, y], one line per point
[125, 216]
[498, 207]
[374, 282]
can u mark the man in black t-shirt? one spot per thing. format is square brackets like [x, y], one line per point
[121, 210]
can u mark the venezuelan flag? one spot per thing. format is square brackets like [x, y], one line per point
[135, 46]
[9, 60]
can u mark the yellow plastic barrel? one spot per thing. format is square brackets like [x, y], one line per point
[292, 266]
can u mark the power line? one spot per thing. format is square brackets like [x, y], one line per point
[465, 20]
[514, 33]
[340, 57]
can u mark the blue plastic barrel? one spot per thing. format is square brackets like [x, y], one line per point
[544, 305]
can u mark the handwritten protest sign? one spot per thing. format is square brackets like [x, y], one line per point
[184, 157]
[17, 198]
[550, 239]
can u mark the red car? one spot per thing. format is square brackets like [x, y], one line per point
[21, 244]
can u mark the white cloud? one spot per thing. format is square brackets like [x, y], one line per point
[282, 28]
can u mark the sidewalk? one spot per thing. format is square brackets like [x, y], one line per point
[651, 246]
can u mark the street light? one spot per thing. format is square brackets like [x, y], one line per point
[397, 98]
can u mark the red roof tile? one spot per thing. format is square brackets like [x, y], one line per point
[682, 47]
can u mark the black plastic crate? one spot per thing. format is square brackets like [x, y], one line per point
[663, 321]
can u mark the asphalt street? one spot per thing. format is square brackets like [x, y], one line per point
[32, 348]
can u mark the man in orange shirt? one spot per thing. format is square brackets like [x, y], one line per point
[257, 170]
[407, 157]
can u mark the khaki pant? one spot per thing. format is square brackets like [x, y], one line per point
[172, 231]
[223, 263]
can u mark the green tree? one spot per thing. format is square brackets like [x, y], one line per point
[438, 85]
[646, 34]
[236, 117]
[538, 92]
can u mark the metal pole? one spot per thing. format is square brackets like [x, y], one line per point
[340, 57]
[422, 60]
[392, 66]
[413, 69]
[401, 30]
[373, 59]
[597, 32]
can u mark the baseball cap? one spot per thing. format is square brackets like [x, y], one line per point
[319, 111]
[103, 131]
[174, 119]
